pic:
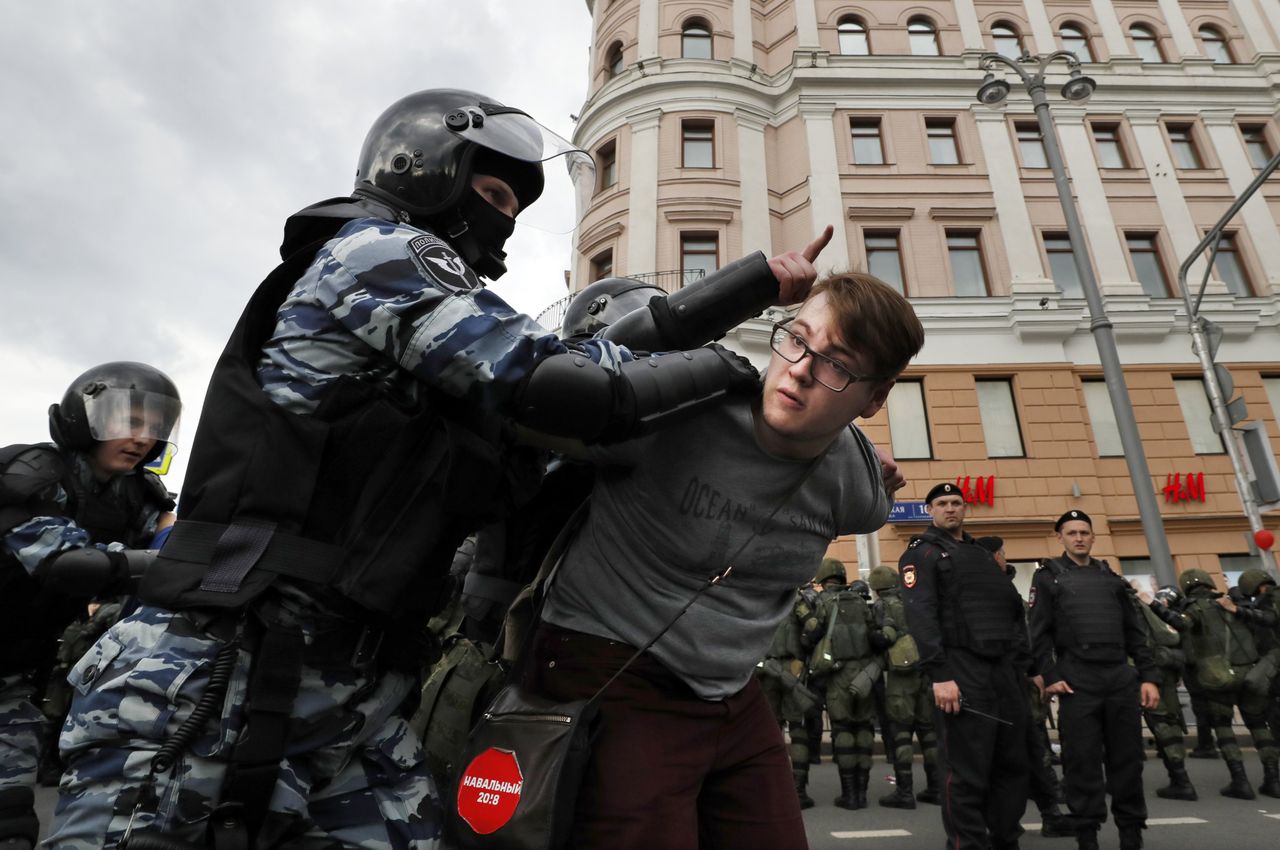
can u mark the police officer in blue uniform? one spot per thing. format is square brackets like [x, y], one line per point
[1084, 630]
[968, 623]
[370, 410]
[74, 515]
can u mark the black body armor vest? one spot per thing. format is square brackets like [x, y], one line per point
[1088, 608]
[364, 501]
[33, 617]
[979, 607]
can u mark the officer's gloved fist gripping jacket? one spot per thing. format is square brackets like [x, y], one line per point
[645, 393]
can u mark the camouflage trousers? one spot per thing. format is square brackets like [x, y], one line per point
[21, 731]
[1165, 723]
[353, 773]
[1253, 708]
[909, 704]
[852, 729]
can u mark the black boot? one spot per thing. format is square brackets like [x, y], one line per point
[1179, 787]
[901, 798]
[931, 794]
[802, 780]
[1270, 780]
[1055, 824]
[1087, 838]
[861, 778]
[1239, 787]
[1130, 838]
[848, 798]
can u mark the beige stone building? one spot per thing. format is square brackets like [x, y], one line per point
[727, 126]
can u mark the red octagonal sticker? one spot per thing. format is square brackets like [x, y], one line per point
[489, 790]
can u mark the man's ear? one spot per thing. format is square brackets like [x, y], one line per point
[877, 399]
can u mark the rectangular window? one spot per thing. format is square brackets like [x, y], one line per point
[999, 419]
[1146, 264]
[1106, 137]
[884, 257]
[868, 147]
[1257, 145]
[908, 421]
[1272, 386]
[942, 141]
[1198, 415]
[1233, 565]
[1228, 267]
[1182, 142]
[1031, 146]
[607, 156]
[699, 256]
[1062, 265]
[1140, 572]
[698, 138]
[1106, 433]
[967, 275]
[602, 265]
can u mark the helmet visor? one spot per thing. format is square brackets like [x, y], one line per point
[513, 133]
[117, 414]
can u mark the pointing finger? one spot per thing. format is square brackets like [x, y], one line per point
[814, 248]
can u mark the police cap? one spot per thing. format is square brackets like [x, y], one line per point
[946, 488]
[992, 544]
[1070, 516]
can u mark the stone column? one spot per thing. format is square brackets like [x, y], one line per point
[1271, 11]
[1179, 29]
[642, 231]
[1256, 217]
[647, 30]
[970, 29]
[1112, 33]
[743, 31]
[1041, 29]
[753, 182]
[1011, 206]
[826, 203]
[806, 23]
[1254, 26]
[1145, 123]
[1091, 199]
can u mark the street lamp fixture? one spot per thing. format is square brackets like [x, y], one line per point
[1031, 71]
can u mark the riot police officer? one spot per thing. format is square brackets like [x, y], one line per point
[1165, 721]
[1083, 631]
[1223, 651]
[967, 620]
[783, 676]
[357, 428]
[74, 515]
[908, 695]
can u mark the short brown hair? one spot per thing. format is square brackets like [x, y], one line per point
[874, 320]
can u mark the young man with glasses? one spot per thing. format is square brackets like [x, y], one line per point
[688, 752]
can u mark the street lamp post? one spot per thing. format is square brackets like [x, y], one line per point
[1079, 88]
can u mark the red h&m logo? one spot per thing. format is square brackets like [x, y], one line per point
[1176, 489]
[981, 492]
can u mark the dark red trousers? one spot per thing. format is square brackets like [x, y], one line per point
[670, 770]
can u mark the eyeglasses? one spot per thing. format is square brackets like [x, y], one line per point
[825, 371]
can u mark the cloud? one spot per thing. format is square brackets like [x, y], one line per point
[154, 148]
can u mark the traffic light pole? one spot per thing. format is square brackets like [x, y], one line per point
[1203, 350]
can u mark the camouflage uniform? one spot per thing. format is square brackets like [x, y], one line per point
[908, 696]
[1165, 720]
[782, 677]
[367, 305]
[848, 617]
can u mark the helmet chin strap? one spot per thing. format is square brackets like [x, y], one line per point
[478, 231]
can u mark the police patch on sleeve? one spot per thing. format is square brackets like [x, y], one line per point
[440, 263]
[1031, 596]
[909, 576]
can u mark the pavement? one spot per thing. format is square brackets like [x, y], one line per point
[1212, 823]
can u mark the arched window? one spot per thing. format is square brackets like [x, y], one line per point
[1007, 40]
[1215, 45]
[695, 40]
[924, 37]
[613, 59]
[1076, 40]
[1145, 43]
[853, 37]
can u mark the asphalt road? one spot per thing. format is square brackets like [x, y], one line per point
[1212, 823]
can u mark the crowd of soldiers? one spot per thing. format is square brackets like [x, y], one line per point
[847, 649]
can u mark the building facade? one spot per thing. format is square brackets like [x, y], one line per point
[722, 127]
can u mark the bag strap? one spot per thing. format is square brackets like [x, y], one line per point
[712, 581]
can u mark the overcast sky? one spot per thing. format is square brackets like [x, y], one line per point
[153, 148]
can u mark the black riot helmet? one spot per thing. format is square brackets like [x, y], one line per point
[599, 305]
[861, 588]
[1170, 595]
[422, 152]
[114, 401]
